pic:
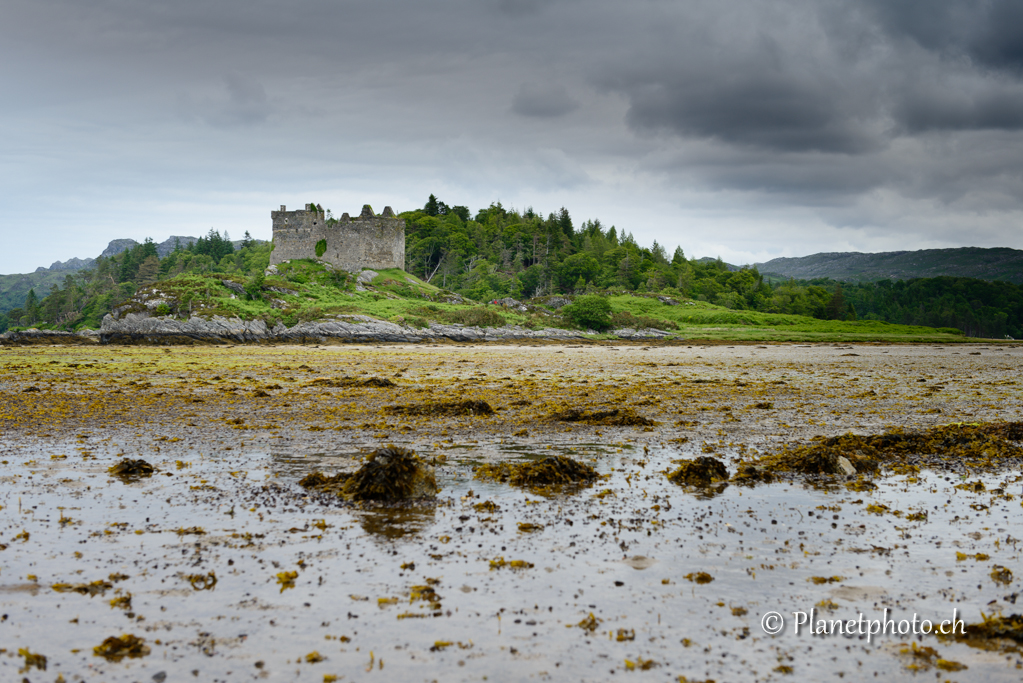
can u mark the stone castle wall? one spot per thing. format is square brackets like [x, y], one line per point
[366, 241]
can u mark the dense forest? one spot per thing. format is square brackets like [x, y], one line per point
[980, 308]
[503, 252]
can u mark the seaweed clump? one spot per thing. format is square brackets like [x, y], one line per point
[442, 408]
[320, 482]
[616, 417]
[129, 468]
[338, 382]
[975, 445]
[995, 627]
[389, 474]
[553, 471]
[702, 471]
[114, 649]
[751, 475]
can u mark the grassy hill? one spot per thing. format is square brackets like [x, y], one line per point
[975, 262]
[306, 290]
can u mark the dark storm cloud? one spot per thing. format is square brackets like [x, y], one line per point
[825, 76]
[989, 32]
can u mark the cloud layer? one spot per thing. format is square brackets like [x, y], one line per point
[730, 127]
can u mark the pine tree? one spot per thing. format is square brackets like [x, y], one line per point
[31, 306]
[835, 308]
[565, 221]
[431, 208]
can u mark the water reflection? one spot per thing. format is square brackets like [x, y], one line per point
[392, 523]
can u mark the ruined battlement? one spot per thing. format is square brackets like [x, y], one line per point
[366, 241]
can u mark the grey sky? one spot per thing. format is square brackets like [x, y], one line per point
[738, 128]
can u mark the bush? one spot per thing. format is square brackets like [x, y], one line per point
[321, 248]
[163, 309]
[254, 287]
[589, 312]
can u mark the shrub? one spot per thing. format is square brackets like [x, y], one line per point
[254, 287]
[321, 248]
[589, 312]
[163, 309]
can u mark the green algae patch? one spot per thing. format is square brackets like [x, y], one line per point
[553, 471]
[702, 471]
[389, 474]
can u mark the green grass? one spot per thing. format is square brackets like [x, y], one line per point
[319, 292]
[701, 320]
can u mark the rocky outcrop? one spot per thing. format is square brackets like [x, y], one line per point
[144, 328]
[141, 328]
[33, 336]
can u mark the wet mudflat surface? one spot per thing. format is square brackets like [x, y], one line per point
[226, 569]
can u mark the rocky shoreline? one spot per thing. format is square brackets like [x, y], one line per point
[166, 330]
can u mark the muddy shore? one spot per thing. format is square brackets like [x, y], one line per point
[232, 429]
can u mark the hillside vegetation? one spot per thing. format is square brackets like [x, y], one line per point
[965, 262]
[456, 264]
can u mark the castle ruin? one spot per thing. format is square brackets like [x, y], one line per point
[366, 241]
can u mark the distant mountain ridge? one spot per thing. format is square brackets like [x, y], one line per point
[115, 247]
[998, 263]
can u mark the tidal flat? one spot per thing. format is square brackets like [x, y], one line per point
[219, 566]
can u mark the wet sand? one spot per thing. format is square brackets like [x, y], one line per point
[231, 430]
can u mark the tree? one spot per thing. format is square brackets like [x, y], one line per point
[835, 308]
[31, 306]
[576, 267]
[565, 222]
[149, 270]
[432, 208]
